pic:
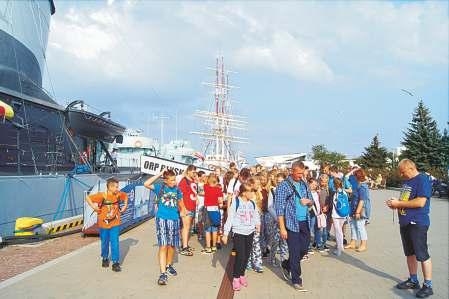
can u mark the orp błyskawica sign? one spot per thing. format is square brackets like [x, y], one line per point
[154, 165]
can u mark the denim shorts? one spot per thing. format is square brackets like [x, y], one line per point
[211, 229]
[190, 213]
[414, 241]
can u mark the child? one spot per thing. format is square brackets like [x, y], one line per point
[106, 204]
[244, 220]
[255, 259]
[188, 187]
[200, 207]
[338, 220]
[169, 206]
[213, 199]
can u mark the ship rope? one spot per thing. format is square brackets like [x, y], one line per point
[27, 126]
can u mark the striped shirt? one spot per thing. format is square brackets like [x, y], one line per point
[285, 203]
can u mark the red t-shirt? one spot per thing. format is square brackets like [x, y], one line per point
[189, 193]
[211, 195]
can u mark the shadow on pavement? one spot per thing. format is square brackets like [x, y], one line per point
[125, 246]
[346, 258]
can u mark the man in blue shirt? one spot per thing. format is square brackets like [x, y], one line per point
[292, 200]
[413, 209]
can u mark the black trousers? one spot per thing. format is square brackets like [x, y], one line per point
[242, 245]
[298, 245]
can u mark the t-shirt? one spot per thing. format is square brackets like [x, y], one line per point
[361, 193]
[234, 187]
[189, 193]
[167, 201]
[418, 186]
[353, 181]
[346, 184]
[211, 195]
[109, 215]
[301, 210]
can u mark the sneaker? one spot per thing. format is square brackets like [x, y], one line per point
[186, 252]
[116, 267]
[311, 251]
[105, 263]
[243, 281]
[190, 248]
[326, 248]
[336, 252]
[163, 278]
[424, 292]
[214, 249]
[206, 250]
[305, 258]
[321, 249]
[299, 287]
[286, 273]
[408, 284]
[258, 269]
[170, 270]
[236, 284]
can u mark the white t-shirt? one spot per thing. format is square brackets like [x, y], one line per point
[234, 190]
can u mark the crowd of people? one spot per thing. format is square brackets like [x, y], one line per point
[276, 217]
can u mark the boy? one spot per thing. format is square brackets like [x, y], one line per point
[169, 206]
[106, 204]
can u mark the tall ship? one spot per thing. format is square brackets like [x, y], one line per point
[221, 125]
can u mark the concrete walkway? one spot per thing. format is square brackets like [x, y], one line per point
[79, 274]
[371, 274]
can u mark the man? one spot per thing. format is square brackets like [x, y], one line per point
[293, 198]
[413, 209]
[107, 206]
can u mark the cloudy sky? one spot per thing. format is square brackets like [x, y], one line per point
[309, 72]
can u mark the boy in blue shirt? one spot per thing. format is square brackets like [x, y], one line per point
[169, 207]
[413, 209]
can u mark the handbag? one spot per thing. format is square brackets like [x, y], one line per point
[320, 218]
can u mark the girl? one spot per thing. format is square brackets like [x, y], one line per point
[275, 241]
[169, 206]
[360, 212]
[338, 220]
[244, 220]
[255, 259]
[265, 216]
[315, 211]
[213, 199]
[189, 197]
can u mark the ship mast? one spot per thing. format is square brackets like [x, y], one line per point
[219, 137]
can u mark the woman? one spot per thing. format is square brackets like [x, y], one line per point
[360, 213]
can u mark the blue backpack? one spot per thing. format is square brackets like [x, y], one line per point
[342, 206]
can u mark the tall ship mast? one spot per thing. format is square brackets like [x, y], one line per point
[220, 139]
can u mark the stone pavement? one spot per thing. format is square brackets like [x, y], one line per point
[371, 274]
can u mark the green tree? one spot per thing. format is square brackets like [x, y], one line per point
[423, 141]
[322, 155]
[375, 155]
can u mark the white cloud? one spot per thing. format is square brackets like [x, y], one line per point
[161, 42]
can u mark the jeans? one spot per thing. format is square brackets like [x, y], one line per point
[320, 236]
[298, 243]
[358, 230]
[110, 236]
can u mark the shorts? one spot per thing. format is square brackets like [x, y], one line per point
[167, 232]
[211, 229]
[414, 241]
[190, 213]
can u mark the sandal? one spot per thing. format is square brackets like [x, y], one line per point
[191, 249]
[186, 252]
[206, 250]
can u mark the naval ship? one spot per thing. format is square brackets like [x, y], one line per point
[50, 155]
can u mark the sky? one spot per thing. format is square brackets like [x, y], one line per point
[308, 72]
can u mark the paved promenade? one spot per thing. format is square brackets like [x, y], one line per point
[371, 274]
